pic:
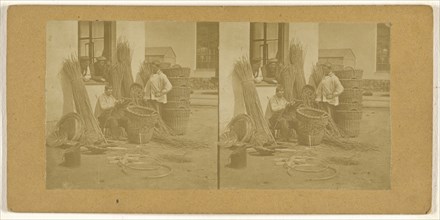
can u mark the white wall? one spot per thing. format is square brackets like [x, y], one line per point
[181, 36]
[361, 38]
[61, 42]
[134, 33]
[234, 43]
[308, 35]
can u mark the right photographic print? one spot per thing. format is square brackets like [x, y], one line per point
[304, 105]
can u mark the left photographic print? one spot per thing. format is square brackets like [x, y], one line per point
[131, 105]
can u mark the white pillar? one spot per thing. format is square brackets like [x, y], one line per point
[61, 43]
[234, 43]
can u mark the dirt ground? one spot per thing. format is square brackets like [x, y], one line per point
[191, 168]
[355, 169]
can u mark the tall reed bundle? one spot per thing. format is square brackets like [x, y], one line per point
[124, 56]
[316, 76]
[297, 54]
[288, 82]
[243, 70]
[116, 74]
[71, 73]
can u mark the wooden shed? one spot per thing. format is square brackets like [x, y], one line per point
[337, 57]
[162, 54]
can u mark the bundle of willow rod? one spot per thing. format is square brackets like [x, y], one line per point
[145, 71]
[71, 73]
[297, 55]
[316, 76]
[124, 56]
[288, 82]
[243, 70]
[116, 74]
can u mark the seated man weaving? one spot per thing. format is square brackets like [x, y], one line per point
[281, 114]
[106, 111]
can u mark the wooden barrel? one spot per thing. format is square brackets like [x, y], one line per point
[177, 119]
[349, 122]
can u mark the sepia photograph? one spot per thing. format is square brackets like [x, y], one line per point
[304, 105]
[244, 110]
[131, 105]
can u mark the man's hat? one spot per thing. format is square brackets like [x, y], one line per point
[108, 87]
[101, 58]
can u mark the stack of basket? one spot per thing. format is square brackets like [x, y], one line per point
[348, 113]
[176, 111]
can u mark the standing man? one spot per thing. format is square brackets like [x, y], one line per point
[107, 114]
[157, 88]
[280, 114]
[328, 90]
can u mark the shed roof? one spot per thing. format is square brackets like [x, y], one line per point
[159, 51]
[336, 53]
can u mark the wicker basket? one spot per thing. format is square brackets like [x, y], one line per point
[311, 126]
[177, 119]
[351, 83]
[176, 72]
[141, 121]
[179, 93]
[349, 122]
[349, 73]
[351, 96]
[177, 104]
[179, 81]
[354, 106]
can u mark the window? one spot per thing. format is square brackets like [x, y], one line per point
[383, 47]
[95, 39]
[207, 45]
[268, 41]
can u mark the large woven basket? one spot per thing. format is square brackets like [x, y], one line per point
[176, 72]
[351, 83]
[179, 81]
[141, 122]
[311, 126]
[177, 104]
[351, 96]
[349, 73]
[177, 119]
[349, 122]
[179, 93]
